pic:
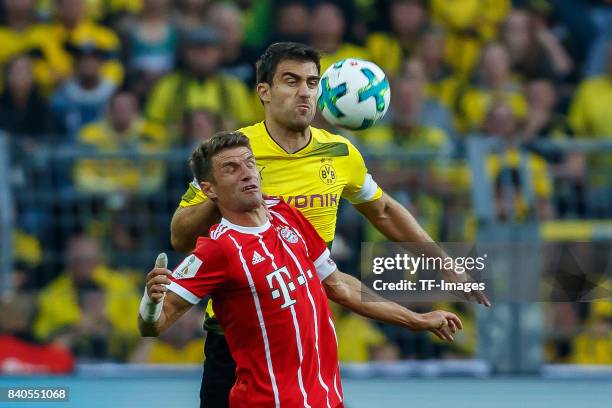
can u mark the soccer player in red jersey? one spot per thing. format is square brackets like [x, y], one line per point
[270, 275]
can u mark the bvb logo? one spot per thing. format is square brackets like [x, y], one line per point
[327, 173]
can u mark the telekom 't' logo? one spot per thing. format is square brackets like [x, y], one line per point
[282, 288]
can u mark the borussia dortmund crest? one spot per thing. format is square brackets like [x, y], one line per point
[327, 173]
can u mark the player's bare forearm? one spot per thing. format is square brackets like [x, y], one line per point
[152, 329]
[350, 293]
[173, 308]
[188, 223]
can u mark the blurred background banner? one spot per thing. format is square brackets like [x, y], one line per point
[499, 135]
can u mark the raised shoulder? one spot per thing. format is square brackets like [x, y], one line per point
[210, 248]
[253, 131]
[325, 136]
[216, 232]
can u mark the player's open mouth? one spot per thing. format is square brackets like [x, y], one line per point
[250, 187]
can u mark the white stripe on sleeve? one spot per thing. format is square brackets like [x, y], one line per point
[184, 293]
[325, 265]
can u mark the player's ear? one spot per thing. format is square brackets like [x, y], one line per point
[263, 90]
[208, 189]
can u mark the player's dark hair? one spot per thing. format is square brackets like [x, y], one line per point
[201, 158]
[280, 51]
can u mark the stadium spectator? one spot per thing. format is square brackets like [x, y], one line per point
[590, 117]
[359, 340]
[407, 22]
[17, 19]
[592, 345]
[543, 122]
[327, 31]
[416, 121]
[291, 22]
[150, 43]
[562, 319]
[442, 83]
[23, 109]
[520, 179]
[237, 59]
[589, 113]
[534, 50]
[495, 83]
[199, 85]
[20, 353]
[190, 14]
[101, 11]
[89, 307]
[114, 13]
[542, 119]
[200, 125]
[69, 31]
[82, 99]
[123, 130]
[470, 25]
[257, 20]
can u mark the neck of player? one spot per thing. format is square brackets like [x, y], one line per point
[290, 140]
[251, 218]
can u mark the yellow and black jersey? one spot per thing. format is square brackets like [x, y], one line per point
[312, 180]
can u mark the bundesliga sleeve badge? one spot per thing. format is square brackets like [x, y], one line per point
[188, 268]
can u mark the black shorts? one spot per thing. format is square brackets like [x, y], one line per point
[219, 372]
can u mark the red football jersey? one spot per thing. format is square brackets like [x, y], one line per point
[266, 286]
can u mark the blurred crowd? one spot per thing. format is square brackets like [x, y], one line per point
[147, 77]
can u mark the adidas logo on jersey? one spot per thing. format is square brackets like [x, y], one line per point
[257, 258]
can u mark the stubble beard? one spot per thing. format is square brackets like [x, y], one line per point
[298, 124]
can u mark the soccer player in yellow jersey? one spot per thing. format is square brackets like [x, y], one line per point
[310, 168]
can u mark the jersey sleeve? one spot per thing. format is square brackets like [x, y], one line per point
[193, 195]
[317, 248]
[361, 187]
[201, 273]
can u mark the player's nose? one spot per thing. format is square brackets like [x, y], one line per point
[305, 91]
[247, 173]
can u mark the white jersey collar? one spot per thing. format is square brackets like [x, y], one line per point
[247, 230]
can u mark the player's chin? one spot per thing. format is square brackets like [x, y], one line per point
[301, 122]
[251, 199]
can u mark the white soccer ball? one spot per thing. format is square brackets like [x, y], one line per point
[353, 94]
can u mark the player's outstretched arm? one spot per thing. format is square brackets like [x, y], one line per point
[188, 223]
[398, 225]
[159, 308]
[350, 293]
